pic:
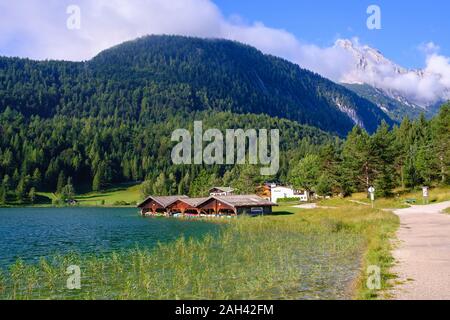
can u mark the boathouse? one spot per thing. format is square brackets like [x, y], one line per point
[186, 206]
[158, 205]
[230, 205]
[237, 205]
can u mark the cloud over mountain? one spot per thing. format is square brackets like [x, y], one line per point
[37, 29]
[421, 87]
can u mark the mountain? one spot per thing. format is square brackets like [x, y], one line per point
[156, 74]
[396, 108]
[385, 83]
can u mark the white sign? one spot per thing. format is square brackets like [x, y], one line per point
[425, 192]
[371, 190]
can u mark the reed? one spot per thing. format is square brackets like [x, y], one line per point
[301, 255]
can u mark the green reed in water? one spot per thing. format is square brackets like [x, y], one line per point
[301, 256]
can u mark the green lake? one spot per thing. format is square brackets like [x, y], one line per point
[32, 233]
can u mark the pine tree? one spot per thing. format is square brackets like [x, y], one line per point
[146, 189]
[442, 143]
[172, 187]
[411, 175]
[306, 173]
[359, 160]
[183, 186]
[15, 179]
[37, 178]
[68, 191]
[98, 181]
[324, 185]
[160, 185]
[402, 145]
[61, 182]
[383, 160]
[6, 182]
[330, 179]
[2, 194]
[21, 191]
[32, 195]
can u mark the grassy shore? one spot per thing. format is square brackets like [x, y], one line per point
[401, 199]
[129, 195]
[295, 254]
[126, 194]
[115, 196]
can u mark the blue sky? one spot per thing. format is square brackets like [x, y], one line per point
[405, 24]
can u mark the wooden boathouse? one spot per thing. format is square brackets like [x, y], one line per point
[226, 205]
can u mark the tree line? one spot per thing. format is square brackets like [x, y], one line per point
[68, 155]
[412, 154]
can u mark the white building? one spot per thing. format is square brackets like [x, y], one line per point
[221, 191]
[280, 192]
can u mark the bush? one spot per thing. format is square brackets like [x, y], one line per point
[58, 202]
[282, 200]
[121, 203]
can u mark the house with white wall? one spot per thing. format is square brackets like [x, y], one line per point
[221, 191]
[281, 192]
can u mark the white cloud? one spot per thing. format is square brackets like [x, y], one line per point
[422, 87]
[37, 29]
[429, 47]
[40, 30]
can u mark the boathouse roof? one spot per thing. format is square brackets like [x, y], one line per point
[239, 201]
[164, 201]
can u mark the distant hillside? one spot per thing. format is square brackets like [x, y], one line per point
[140, 79]
[396, 109]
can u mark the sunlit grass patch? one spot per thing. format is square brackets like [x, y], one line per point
[116, 196]
[400, 199]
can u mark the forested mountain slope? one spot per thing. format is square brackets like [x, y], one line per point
[137, 79]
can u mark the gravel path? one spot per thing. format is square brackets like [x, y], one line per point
[423, 254]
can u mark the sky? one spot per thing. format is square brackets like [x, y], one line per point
[413, 34]
[406, 24]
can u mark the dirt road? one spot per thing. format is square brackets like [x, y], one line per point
[423, 253]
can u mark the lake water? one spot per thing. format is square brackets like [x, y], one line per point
[32, 233]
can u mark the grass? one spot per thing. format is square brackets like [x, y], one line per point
[118, 195]
[129, 194]
[126, 194]
[294, 254]
[378, 228]
[438, 194]
[447, 210]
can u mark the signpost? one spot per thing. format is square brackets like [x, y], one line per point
[426, 195]
[372, 196]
